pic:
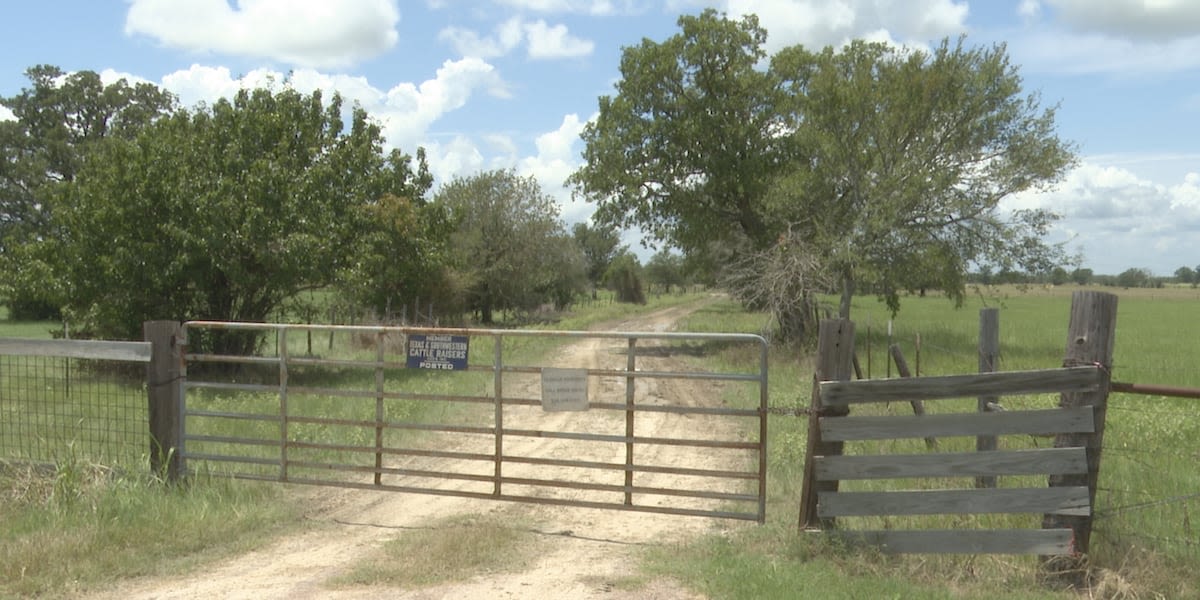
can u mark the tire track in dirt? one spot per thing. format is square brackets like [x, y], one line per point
[585, 553]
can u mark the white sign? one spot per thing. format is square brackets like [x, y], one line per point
[564, 390]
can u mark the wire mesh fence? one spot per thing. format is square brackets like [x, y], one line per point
[55, 409]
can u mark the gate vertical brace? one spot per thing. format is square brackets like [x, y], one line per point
[763, 406]
[379, 341]
[282, 352]
[1090, 338]
[989, 354]
[630, 393]
[835, 358]
[498, 392]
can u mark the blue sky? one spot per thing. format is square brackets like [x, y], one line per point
[485, 84]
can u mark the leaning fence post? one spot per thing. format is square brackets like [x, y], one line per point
[164, 393]
[835, 356]
[989, 354]
[1090, 338]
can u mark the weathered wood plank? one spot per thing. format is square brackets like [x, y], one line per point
[1056, 500]
[1030, 422]
[960, 541]
[86, 349]
[1046, 461]
[1073, 379]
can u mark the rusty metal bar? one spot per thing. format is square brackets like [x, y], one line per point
[630, 392]
[498, 423]
[1148, 389]
[282, 351]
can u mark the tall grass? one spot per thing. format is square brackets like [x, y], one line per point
[1143, 542]
[82, 525]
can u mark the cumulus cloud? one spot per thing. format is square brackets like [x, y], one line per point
[315, 33]
[818, 23]
[6, 114]
[1156, 20]
[1115, 36]
[544, 41]
[558, 155]
[587, 7]
[1087, 53]
[1139, 222]
[405, 112]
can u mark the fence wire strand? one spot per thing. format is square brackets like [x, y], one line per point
[54, 409]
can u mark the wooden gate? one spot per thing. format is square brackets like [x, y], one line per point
[1070, 468]
[942, 469]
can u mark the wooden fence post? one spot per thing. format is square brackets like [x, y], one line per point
[918, 406]
[163, 376]
[835, 357]
[989, 355]
[1090, 338]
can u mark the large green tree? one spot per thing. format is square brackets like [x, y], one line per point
[58, 118]
[910, 154]
[688, 146]
[890, 164]
[509, 243]
[221, 212]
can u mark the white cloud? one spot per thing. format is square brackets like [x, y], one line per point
[458, 158]
[507, 36]
[545, 41]
[1029, 9]
[110, 76]
[558, 155]
[317, 33]
[819, 23]
[6, 114]
[1085, 53]
[587, 7]
[1134, 221]
[405, 112]
[1156, 20]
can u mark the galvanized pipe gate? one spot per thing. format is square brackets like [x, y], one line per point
[623, 423]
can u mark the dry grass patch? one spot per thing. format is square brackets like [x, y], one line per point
[452, 549]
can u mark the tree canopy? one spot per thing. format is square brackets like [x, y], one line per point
[509, 244]
[222, 212]
[889, 163]
[688, 146]
[600, 246]
[58, 118]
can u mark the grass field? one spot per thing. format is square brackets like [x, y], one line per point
[1143, 543]
[71, 531]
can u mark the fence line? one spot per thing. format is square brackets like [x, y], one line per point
[64, 400]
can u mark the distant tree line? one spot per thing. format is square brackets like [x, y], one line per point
[1129, 278]
[118, 206]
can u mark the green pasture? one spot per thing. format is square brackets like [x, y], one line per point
[1143, 545]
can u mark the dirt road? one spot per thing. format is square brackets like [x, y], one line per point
[581, 553]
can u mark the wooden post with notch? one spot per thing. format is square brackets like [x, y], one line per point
[1090, 338]
[989, 358]
[164, 391]
[835, 358]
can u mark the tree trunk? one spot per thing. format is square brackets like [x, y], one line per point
[847, 295]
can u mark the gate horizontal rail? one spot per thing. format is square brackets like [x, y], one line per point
[333, 434]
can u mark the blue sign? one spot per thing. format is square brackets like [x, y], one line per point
[446, 352]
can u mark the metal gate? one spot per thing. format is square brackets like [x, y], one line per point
[613, 420]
